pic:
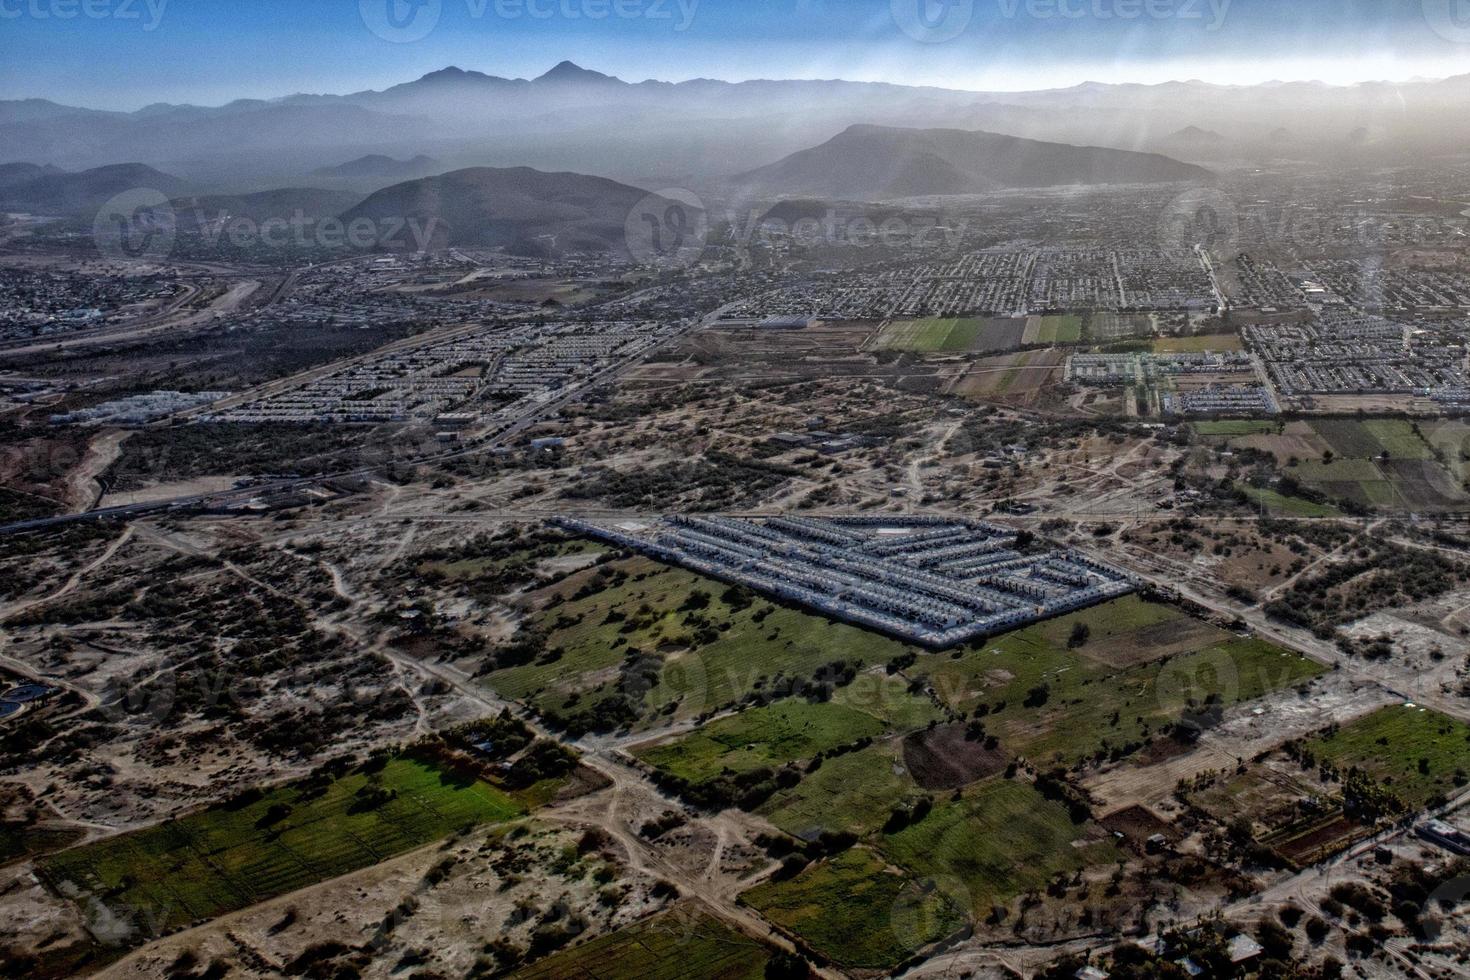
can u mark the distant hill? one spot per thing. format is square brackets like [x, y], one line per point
[377, 165]
[73, 193]
[879, 162]
[1196, 136]
[522, 210]
[16, 174]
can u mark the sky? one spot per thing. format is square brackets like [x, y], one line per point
[124, 54]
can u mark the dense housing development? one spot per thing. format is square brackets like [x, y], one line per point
[935, 582]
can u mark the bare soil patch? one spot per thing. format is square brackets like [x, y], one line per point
[943, 758]
[1137, 823]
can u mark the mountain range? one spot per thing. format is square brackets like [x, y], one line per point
[660, 133]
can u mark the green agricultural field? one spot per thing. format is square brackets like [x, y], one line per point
[857, 912]
[1001, 839]
[887, 698]
[1341, 469]
[788, 731]
[1371, 438]
[952, 336]
[1390, 744]
[923, 336]
[679, 943]
[1278, 504]
[1060, 330]
[1059, 705]
[234, 855]
[1127, 616]
[854, 792]
[1230, 428]
[1398, 438]
[711, 656]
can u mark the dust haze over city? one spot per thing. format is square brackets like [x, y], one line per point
[774, 489]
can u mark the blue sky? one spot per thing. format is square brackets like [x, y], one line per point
[123, 54]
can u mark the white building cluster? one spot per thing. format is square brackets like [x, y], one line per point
[491, 374]
[934, 581]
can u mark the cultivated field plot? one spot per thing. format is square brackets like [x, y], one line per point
[1106, 327]
[1054, 703]
[952, 336]
[237, 854]
[859, 911]
[1372, 438]
[1013, 379]
[1001, 839]
[853, 793]
[756, 738]
[682, 942]
[1052, 330]
[1234, 427]
[707, 646]
[1282, 505]
[1197, 343]
[1389, 464]
[1295, 798]
[1416, 753]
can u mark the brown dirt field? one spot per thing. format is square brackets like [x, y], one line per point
[1160, 750]
[1013, 379]
[944, 759]
[1327, 839]
[1137, 823]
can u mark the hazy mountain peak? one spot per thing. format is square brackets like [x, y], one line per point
[568, 71]
[1194, 134]
[455, 74]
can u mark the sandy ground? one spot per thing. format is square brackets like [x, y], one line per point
[1247, 730]
[166, 491]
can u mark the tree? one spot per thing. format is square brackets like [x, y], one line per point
[1081, 632]
[787, 966]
